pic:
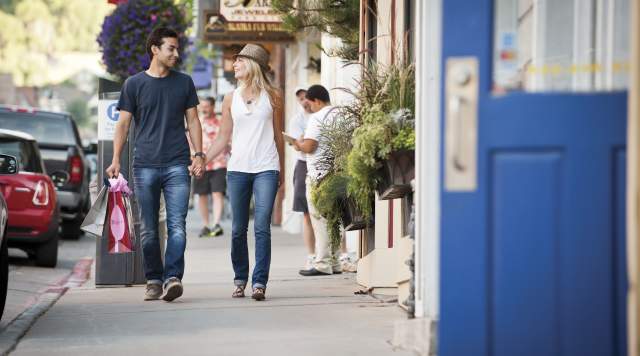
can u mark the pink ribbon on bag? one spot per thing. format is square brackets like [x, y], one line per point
[119, 185]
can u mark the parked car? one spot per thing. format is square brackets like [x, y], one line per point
[34, 214]
[61, 148]
[8, 165]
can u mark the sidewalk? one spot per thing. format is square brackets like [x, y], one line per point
[301, 316]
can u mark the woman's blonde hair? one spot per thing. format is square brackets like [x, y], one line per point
[258, 79]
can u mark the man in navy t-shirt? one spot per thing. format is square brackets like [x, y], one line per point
[158, 99]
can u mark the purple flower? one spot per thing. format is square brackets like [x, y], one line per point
[124, 32]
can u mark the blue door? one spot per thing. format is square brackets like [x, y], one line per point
[533, 183]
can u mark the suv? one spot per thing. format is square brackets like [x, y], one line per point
[61, 149]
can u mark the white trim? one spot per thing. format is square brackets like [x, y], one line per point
[583, 44]
[427, 219]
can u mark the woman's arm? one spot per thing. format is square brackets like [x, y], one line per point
[226, 128]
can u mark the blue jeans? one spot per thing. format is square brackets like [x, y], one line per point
[175, 182]
[240, 186]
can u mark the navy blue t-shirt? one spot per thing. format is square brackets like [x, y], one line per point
[158, 106]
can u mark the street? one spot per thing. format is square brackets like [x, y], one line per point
[304, 316]
[27, 281]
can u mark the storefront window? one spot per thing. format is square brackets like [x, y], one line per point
[372, 30]
[561, 45]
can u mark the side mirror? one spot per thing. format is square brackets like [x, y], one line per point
[59, 178]
[8, 164]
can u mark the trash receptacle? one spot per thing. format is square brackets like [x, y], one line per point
[122, 268]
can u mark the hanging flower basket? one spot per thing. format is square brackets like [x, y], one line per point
[396, 174]
[124, 33]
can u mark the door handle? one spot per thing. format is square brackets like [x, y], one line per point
[455, 108]
[461, 124]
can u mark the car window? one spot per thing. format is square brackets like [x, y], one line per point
[24, 152]
[48, 130]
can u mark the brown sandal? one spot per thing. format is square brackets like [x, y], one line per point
[238, 292]
[258, 294]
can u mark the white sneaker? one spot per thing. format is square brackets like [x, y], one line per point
[349, 262]
[309, 264]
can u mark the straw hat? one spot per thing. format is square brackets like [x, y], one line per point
[257, 53]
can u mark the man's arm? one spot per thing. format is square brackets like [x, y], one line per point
[223, 137]
[278, 128]
[119, 139]
[307, 145]
[195, 133]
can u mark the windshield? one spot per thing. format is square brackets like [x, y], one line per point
[48, 130]
[23, 151]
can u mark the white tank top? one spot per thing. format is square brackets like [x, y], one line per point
[253, 147]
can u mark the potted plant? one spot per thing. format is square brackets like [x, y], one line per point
[398, 169]
[329, 195]
[382, 154]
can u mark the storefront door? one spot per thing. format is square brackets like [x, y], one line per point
[532, 229]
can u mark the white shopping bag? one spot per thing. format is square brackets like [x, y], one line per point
[94, 221]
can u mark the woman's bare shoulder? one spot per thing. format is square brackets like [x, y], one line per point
[227, 98]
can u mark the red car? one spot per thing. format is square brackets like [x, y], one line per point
[34, 214]
[8, 165]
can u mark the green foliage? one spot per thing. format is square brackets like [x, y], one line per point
[379, 121]
[339, 18]
[404, 140]
[35, 32]
[79, 111]
[385, 105]
[329, 194]
[371, 142]
[328, 197]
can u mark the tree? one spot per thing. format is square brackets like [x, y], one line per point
[339, 18]
[35, 32]
[79, 110]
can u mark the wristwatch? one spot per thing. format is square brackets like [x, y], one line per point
[200, 154]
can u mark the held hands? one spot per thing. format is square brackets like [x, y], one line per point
[197, 167]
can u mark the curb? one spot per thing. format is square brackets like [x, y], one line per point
[20, 326]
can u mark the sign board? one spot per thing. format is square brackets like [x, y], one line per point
[240, 21]
[252, 11]
[108, 116]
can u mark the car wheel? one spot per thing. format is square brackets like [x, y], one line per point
[4, 275]
[47, 253]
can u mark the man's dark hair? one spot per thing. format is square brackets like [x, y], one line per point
[156, 38]
[318, 92]
[301, 90]
[211, 100]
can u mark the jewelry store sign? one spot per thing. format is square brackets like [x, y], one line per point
[244, 21]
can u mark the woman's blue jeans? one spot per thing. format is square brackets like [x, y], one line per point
[240, 187]
[175, 182]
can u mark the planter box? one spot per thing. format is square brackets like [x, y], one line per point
[352, 217]
[396, 174]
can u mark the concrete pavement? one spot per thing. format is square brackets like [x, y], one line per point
[301, 316]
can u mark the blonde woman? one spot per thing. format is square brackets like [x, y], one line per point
[254, 166]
